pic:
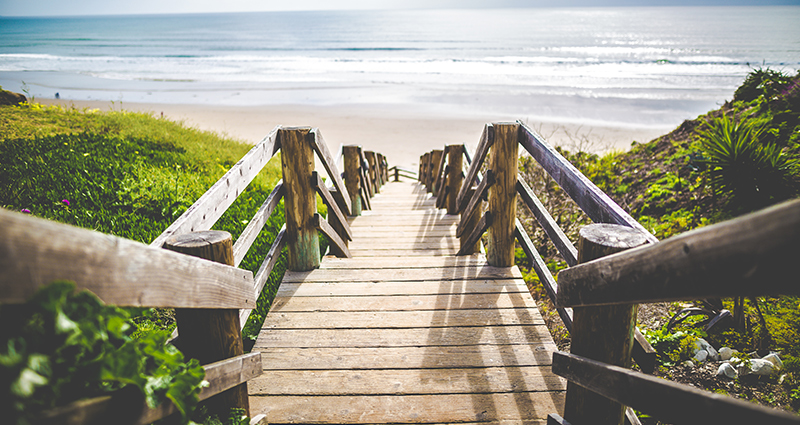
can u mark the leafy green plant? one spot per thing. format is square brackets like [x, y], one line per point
[751, 174]
[762, 82]
[63, 346]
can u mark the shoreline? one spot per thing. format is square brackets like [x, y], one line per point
[401, 132]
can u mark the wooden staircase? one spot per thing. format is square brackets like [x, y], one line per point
[405, 332]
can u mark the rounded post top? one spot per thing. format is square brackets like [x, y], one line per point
[601, 239]
[198, 239]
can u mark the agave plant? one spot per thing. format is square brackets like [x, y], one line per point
[751, 174]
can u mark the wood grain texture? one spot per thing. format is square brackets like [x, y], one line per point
[341, 250]
[365, 174]
[658, 397]
[211, 335]
[35, 252]
[256, 224]
[373, 171]
[216, 200]
[502, 202]
[602, 333]
[593, 201]
[445, 408]
[352, 178]
[489, 286]
[747, 256]
[333, 207]
[435, 160]
[487, 139]
[405, 303]
[321, 148]
[395, 263]
[419, 357]
[299, 202]
[456, 162]
[475, 236]
[475, 202]
[439, 170]
[379, 275]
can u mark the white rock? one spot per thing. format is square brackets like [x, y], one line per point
[725, 353]
[774, 359]
[702, 344]
[762, 367]
[701, 356]
[688, 363]
[727, 371]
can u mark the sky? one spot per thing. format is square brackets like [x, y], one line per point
[115, 7]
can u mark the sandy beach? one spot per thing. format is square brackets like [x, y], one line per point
[401, 132]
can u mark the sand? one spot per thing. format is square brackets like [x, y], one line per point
[401, 132]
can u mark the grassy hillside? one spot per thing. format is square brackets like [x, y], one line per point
[737, 159]
[127, 174]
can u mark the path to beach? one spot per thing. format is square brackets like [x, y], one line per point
[401, 132]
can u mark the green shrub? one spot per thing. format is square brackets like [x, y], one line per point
[762, 82]
[752, 175]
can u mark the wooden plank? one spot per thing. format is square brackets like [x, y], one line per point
[476, 234]
[549, 225]
[402, 319]
[406, 303]
[648, 394]
[264, 271]
[321, 148]
[441, 244]
[410, 337]
[408, 381]
[455, 180]
[331, 234]
[747, 256]
[487, 139]
[436, 357]
[593, 201]
[475, 200]
[434, 274]
[440, 166]
[352, 178]
[215, 201]
[256, 224]
[331, 203]
[455, 408]
[399, 253]
[353, 289]
[373, 263]
[128, 407]
[35, 252]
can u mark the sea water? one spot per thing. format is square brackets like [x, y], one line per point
[622, 66]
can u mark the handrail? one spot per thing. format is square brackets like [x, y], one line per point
[487, 139]
[256, 224]
[215, 201]
[747, 256]
[119, 271]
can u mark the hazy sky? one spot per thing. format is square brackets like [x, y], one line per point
[113, 7]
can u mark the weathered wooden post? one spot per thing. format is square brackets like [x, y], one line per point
[603, 333]
[352, 180]
[455, 161]
[300, 201]
[435, 158]
[373, 176]
[381, 170]
[211, 335]
[503, 195]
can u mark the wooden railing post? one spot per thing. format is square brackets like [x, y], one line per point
[352, 180]
[211, 335]
[603, 333]
[373, 175]
[300, 201]
[455, 161]
[435, 158]
[503, 195]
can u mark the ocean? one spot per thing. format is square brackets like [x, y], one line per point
[647, 66]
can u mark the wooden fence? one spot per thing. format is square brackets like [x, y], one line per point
[604, 293]
[213, 299]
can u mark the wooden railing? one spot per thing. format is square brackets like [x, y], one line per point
[604, 338]
[212, 300]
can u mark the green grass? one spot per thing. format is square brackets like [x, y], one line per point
[127, 174]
